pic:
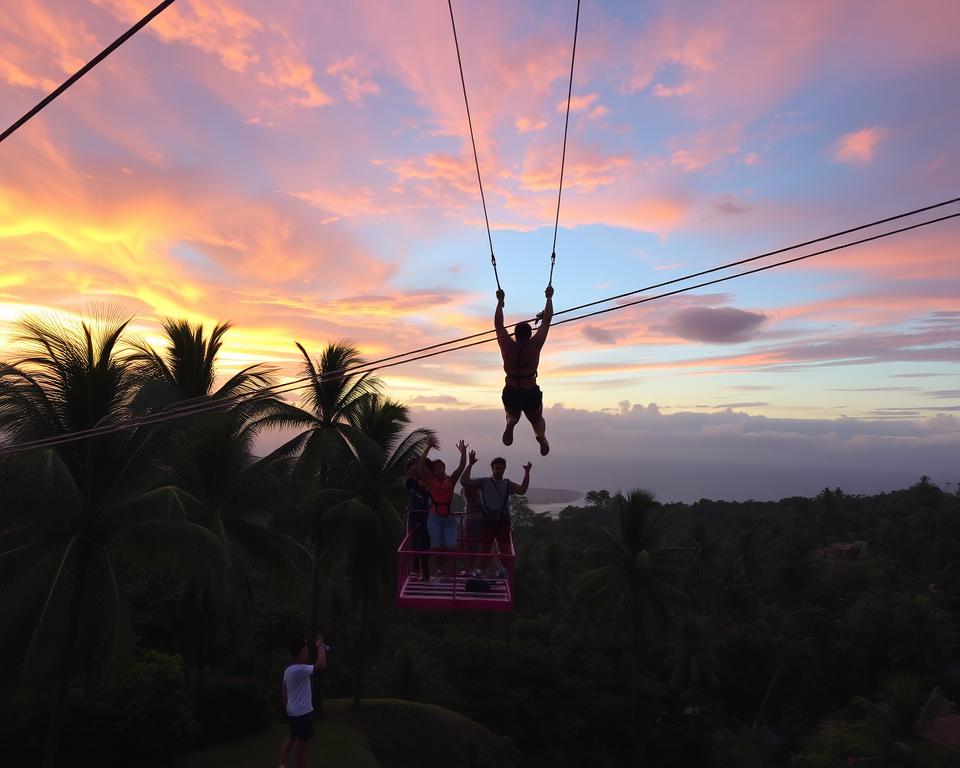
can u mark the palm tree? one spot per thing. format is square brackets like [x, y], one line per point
[364, 520]
[888, 732]
[336, 400]
[80, 504]
[638, 574]
[636, 578]
[692, 661]
[238, 492]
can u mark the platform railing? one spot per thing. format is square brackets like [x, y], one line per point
[450, 562]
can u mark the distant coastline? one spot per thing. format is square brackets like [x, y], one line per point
[552, 496]
[554, 499]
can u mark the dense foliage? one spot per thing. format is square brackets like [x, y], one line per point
[151, 578]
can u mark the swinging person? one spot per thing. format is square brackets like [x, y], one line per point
[521, 357]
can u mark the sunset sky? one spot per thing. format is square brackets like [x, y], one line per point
[304, 170]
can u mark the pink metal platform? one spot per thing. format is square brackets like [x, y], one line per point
[455, 590]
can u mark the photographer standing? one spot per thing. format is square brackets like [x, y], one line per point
[298, 699]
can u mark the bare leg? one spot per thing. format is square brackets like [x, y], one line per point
[302, 754]
[512, 418]
[539, 428]
[285, 750]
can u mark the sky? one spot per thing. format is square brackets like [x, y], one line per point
[304, 170]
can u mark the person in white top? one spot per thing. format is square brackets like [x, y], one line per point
[298, 698]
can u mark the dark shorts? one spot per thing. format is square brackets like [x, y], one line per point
[499, 532]
[528, 400]
[301, 727]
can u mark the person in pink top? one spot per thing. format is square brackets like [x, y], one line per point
[441, 524]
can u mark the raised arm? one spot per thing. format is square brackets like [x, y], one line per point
[462, 447]
[545, 317]
[465, 480]
[422, 465]
[321, 663]
[502, 334]
[521, 489]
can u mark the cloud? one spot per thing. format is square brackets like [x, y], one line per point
[344, 202]
[598, 335]
[719, 454]
[860, 146]
[354, 78]
[721, 325]
[214, 26]
[241, 42]
[728, 205]
[530, 124]
[666, 92]
[435, 400]
[578, 103]
[707, 148]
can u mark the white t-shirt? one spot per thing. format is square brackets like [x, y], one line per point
[296, 678]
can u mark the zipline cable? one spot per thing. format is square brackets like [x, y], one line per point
[87, 67]
[676, 280]
[216, 405]
[476, 159]
[763, 268]
[563, 156]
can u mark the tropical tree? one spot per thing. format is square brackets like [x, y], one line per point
[693, 661]
[336, 400]
[240, 494]
[364, 520]
[638, 573]
[889, 728]
[635, 579]
[79, 504]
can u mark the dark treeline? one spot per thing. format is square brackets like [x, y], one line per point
[151, 578]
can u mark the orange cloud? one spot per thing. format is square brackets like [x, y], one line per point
[529, 124]
[354, 78]
[707, 148]
[578, 103]
[215, 27]
[859, 147]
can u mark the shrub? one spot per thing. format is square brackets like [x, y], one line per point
[233, 706]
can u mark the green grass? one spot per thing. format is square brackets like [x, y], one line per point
[385, 733]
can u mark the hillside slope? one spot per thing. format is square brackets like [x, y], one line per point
[386, 733]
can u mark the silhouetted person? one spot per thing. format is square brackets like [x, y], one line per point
[521, 357]
[297, 698]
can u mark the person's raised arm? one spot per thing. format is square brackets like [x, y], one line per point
[502, 334]
[422, 465]
[465, 480]
[545, 317]
[521, 489]
[321, 663]
[462, 447]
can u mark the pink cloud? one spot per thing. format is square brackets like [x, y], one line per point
[354, 78]
[707, 148]
[215, 27]
[237, 39]
[578, 103]
[529, 124]
[666, 92]
[859, 147]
